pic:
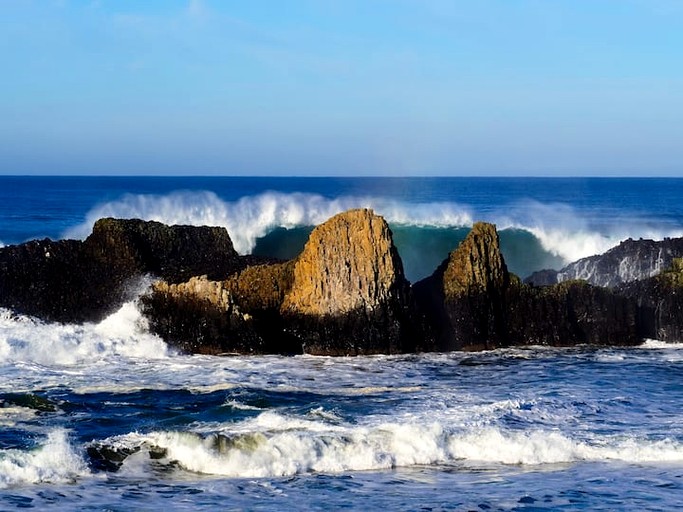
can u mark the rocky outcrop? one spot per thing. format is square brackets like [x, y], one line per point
[345, 294]
[73, 281]
[47, 279]
[660, 303]
[475, 303]
[201, 316]
[173, 253]
[631, 260]
[349, 295]
[238, 315]
[570, 313]
[465, 297]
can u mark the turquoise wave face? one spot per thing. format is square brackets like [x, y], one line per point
[422, 249]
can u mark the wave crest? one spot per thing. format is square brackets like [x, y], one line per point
[55, 461]
[273, 445]
[124, 333]
[561, 230]
[252, 217]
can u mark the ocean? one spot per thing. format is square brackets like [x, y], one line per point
[107, 417]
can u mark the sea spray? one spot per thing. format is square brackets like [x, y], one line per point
[564, 234]
[53, 461]
[274, 445]
[123, 333]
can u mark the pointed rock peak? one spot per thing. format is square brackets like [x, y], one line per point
[477, 265]
[348, 263]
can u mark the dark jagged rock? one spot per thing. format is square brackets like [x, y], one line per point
[41, 277]
[465, 297]
[570, 313]
[475, 303]
[73, 281]
[173, 253]
[660, 303]
[545, 277]
[631, 260]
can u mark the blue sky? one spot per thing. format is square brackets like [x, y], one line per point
[329, 87]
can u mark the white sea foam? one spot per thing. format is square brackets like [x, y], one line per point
[561, 229]
[55, 461]
[552, 447]
[124, 333]
[658, 344]
[11, 415]
[275, 445]
[252, 217]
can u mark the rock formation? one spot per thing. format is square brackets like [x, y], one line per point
[570, 313]
[201, 316]
[73, 281]
[238, 315]
[349, 295]
[474, 303]
[632, 260]
[465, 297]
[344, 294]
[660, 303]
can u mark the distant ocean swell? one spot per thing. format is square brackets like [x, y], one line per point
[534, 235]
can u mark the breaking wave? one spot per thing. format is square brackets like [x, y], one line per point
[54, 461]
[548, 235]
[273, 445]
[124, 333]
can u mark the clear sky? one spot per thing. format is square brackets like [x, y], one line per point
[323, 87]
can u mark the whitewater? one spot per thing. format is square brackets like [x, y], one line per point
[105, 416]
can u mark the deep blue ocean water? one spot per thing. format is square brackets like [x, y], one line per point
[105, 417]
